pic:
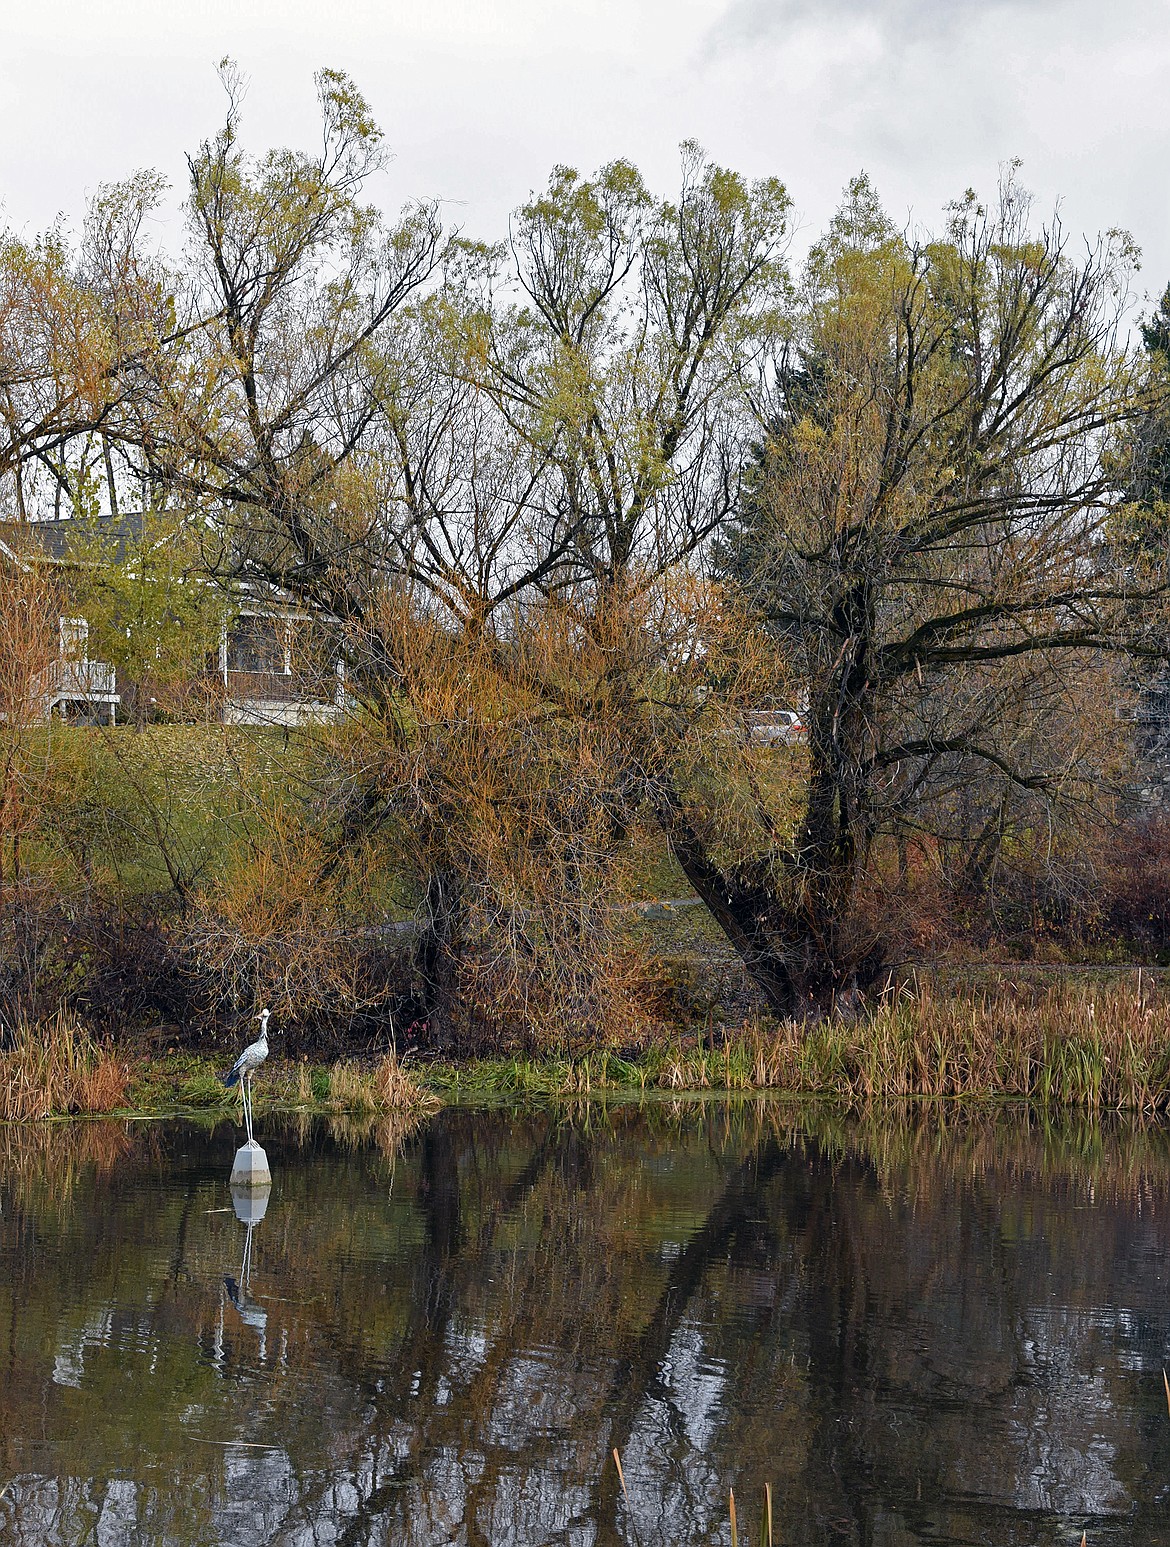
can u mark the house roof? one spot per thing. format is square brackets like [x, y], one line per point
[10, 555]
[53, 543]
[54, 540]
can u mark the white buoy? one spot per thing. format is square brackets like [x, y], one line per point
[250, 1204]
[250, 1168]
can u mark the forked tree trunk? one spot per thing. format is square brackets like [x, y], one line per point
[738, 909]
[788, 942]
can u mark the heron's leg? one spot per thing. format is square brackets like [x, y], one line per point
[248, 1108]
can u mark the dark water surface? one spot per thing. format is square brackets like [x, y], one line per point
[920, 1331]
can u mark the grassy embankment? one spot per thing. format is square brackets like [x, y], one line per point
[126, 808]
[1095, 1046]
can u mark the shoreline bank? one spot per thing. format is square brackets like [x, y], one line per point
[1102, 1046]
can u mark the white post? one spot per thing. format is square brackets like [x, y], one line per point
[250, 1167]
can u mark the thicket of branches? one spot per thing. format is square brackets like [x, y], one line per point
[571, 508]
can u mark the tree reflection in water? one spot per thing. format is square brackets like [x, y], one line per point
[917, 1332]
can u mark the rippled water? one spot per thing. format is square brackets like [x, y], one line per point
[916, 1332]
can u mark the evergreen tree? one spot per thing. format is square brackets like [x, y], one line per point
[1149, 475]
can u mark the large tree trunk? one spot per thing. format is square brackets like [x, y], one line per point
[437, 956]
[738, 908]
[793, 942]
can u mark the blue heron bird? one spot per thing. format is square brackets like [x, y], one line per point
[251, 1312]
[245, 1066]
[239, 1291]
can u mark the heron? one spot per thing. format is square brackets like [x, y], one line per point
[245, 1066]
[239, 1292]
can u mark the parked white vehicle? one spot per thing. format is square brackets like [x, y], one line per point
[775, 727]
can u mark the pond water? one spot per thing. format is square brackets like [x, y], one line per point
[919, 1331]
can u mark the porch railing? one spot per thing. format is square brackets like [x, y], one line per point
[80, 679]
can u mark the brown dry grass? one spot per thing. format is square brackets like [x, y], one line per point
[389, 1086]
[1101, 1047]
[55, 1067]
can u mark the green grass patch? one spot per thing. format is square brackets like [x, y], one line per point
[165, 1082]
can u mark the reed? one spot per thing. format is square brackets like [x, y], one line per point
[54, 1067]
[765, 1538]
[387, 1086]
[1096, 1047]
[1100, 1048]
[304, 1096]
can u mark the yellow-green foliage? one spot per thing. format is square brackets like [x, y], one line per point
[153, 810]
[142, 587]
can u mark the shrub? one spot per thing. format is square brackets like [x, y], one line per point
[1138, 902]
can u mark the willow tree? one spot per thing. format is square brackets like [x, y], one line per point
[140, 581]
[28, 651]
[564, 426]
[926, 541]
[290, 280]
[79, 321]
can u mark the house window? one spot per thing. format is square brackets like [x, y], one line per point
[257, 645]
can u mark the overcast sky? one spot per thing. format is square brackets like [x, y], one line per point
[479, 98]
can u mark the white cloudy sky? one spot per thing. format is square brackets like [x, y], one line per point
[480, 97]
